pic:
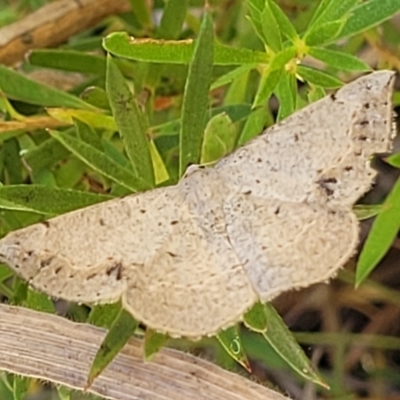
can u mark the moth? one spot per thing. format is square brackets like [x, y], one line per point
[191, 259]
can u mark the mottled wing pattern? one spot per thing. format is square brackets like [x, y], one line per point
[85, 255]
[320, 153]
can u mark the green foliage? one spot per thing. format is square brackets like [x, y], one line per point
[177, 95]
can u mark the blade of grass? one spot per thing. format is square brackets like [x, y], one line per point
[195, 102]
[130, 121]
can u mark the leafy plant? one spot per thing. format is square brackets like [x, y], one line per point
[173, 103]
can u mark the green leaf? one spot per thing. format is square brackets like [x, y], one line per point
[285, 91]
[268, 82]
[369, 14]
[176, 52]
[394, 160]
[121, 330]
[153, 343]
[39, 302]
[20, 387]
[331, 10]
[365, 211]
[88, 135]
[131, 123]
[46, 200]
[172, 19]
[318, 78]
[100, 162]
[338, 59]
[93, 119]
[12, 161]
[18, 87]
[254, 125]
[142, 11]
[256, 319]
[45, 155]
[68, 60]
[382, 234]
[281, 339]
[103, 315]
[97, 97]
[219, 139]
[271, 30]
[284, 24]
[232, 75]
[64, 393]
[323, 34]
[195, 101]
[160, 170]
[231, 342]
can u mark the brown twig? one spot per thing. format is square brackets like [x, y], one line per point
[53, 24]
[55, 349]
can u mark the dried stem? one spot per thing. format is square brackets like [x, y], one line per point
[53, 24]
[54, 349]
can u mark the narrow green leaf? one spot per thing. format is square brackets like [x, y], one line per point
[286, 93]
[318, 78]
[172, 19]
[255, 319]
[121, 330]
[160, 170]
[365, 211]
[219, 139]
[103, 315]
[64, 393]
[369, 14]
[322, 6]
[93, 119]
[141, 10]
[101, 163]
[45, 155]
[18, 87]
[338, 59]
[271, 30]
[332, 10]
[12, 161]
[284, 24]
[394, 160]
[283, 342]
[68, 60]
[130, 121]
[231, 342]
[46, 200]
[176, 51]
[88, 135]
[195, 101]
[97, 97]
[323, 34]
[232, 75]
[20, 387]
[254, 125]
[268, 82]
[39, 302]
[383, 232]
[153, 343]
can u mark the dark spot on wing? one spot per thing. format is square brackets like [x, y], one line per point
[333, 96]
[46, 262]
[118, 267]
[171, 254]
[45, 223]
[143, 211]
[174, 222]
[101, 222]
